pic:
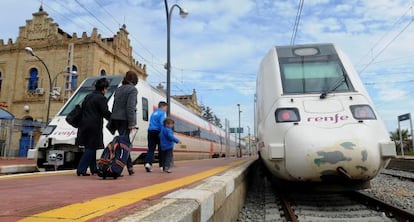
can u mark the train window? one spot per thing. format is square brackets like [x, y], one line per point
[144, 109]
[314, 75]
[189, 129]
[88, 86]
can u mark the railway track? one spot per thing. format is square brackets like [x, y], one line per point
[401, 164]
[399, 175]
[318, 206]
[400, 168]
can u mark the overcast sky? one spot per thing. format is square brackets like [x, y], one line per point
[218, 47]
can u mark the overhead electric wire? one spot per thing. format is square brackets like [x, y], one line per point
[297, 20]
[63, 16]
[389, 43]
[386, 46]
[385, 34]
[106, 11]
[149, 64]
[97, 19]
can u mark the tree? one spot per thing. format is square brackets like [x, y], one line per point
[395, 136]
[217, 121]
[207, 114]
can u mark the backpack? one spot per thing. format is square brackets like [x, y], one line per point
[75, 116]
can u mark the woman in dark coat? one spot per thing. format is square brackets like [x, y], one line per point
[90, 135]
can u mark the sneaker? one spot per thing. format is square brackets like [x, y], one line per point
[131, 171]
[148, 167]
[161, 169]
[168, 171]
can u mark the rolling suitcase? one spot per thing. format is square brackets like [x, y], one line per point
[114, 158]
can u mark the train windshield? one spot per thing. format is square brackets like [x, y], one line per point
[319, 73]
[88, 87]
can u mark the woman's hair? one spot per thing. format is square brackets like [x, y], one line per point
[130, 77]
[168, 121]
[101, 84]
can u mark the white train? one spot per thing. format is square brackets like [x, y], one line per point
[200, 139]
[314, 119]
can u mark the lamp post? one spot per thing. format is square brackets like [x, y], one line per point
[248, 134]
[73, 73]
[57, 93]
[30, 52]
[183, 14]
[238, 130]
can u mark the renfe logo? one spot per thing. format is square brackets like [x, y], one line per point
[335, 119]
[67, 133]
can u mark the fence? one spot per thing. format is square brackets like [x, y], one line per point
[13, 132]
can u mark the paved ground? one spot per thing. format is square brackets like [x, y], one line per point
[63, 196]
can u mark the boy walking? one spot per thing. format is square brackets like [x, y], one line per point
[167, 140]
[154, 129]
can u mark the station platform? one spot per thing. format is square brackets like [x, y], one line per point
[64, 196]
[16, 165]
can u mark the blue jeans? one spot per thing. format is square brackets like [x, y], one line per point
[123, 130]
[168, 155]
[153, 142]
[88, 159]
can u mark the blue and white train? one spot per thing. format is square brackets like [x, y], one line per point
[200, 139]
[314, 119]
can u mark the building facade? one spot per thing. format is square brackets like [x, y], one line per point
[25, 79]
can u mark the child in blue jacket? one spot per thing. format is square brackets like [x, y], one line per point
[167, 140]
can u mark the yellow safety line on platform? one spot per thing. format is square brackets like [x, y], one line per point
[100, 206]
[38, 174]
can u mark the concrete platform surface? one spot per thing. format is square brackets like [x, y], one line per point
[63, 196]
[17, 165]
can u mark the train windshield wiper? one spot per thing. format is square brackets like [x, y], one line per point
[333, 87]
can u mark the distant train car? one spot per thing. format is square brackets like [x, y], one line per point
[314, 119]
[200, 139]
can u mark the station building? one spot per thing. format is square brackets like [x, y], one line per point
[68, 58]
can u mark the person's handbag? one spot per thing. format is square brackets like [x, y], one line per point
[111, 126]
[74, 118]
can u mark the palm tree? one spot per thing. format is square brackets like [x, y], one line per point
[395, 136]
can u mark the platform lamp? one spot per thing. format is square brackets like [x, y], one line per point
[239, 131]
[31, 52]
[183, 14]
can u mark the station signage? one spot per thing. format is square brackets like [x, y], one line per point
[404, 117]
[236, 130]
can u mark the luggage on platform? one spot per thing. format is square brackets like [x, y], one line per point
[114, 158]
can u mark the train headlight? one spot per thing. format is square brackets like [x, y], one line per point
[362, 112]
[287, 115]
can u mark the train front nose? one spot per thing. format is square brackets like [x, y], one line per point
[318, 154]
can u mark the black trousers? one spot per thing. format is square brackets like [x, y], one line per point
[122, 127]
[153, 143]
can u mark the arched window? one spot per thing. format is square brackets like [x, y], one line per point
[74, 82]
[72, 79]
[33, 80]
[103, 72]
